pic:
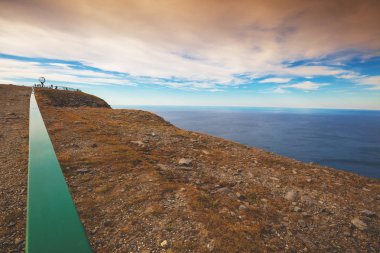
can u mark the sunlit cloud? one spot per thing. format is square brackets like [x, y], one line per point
[275, 80]
[305, 86]
[373, 82]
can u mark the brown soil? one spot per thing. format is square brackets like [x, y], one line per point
[14, 114]
[142, 185]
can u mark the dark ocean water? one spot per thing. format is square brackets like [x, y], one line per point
[343, 139]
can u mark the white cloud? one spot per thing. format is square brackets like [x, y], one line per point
[310, 71]
[349, 76]
[372, 81]
[12, 70]
[305, 86]
[275, 80]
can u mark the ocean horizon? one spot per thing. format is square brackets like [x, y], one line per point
[345, 139]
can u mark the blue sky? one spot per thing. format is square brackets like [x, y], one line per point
[310, 55]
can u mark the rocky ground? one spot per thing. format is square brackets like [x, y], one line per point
[142, 185]
[14, 114]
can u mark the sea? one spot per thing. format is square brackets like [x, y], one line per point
[343, 139]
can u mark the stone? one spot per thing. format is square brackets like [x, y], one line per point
[11, 224]
[346, 233]
[205, 152]
[107, 223]
[210, 246]
[139, 143]
[308, 180]
[242, 207]
[368, 213]
[359, 224]
[185, 161]
[164, 243]
[297, 209]
[301, 223]
[18, 241]
[94, 145]
[291, 195]
[162, 166]
[82, 170]
[240, 196]
[74, 145]
[223, 190]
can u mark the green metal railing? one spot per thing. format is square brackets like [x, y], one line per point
[53, 224]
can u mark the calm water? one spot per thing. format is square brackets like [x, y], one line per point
[343, 139]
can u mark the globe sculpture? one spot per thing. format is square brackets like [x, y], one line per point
[42, 80]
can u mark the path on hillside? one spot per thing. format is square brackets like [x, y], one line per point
[14, 110]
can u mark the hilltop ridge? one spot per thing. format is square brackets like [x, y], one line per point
[66, 98]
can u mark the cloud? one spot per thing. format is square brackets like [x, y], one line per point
[202, 42]
[350, 76]
[275, 80]
[309, 71]
[372, 81]
[305, 86]
[13, 70]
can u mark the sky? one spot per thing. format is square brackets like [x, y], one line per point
[270, 53]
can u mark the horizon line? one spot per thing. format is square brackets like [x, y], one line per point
[251, 106]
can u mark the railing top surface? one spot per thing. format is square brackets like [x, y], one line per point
[53, 224]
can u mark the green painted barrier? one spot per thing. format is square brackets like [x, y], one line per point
[53, 224]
